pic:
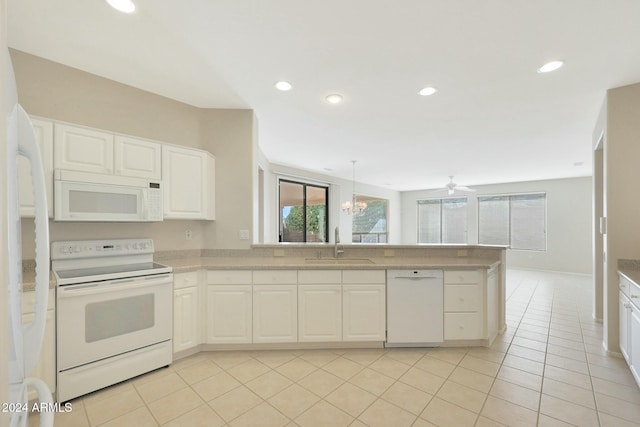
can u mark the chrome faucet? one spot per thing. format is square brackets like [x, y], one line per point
[336, 239]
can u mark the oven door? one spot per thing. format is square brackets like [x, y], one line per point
[102, 319]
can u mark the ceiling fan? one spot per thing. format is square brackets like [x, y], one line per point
[451, 188]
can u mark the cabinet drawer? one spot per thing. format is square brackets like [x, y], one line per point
[462, 326]
[275, 277]
[364, 276]
[313, 277]
[624, 285]
[185, 280]
[634, 294]
[462, 298]
[228, 277]
[462, 276]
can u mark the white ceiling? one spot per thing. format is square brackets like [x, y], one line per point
[494, 118]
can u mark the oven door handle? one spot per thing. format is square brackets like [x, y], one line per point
[71, 291]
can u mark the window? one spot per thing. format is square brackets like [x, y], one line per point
[371, 226]
[442, 220]
[303, 212]
[518, 221]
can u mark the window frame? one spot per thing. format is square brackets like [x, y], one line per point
[304, 184]
[453, 197]
[510, 195]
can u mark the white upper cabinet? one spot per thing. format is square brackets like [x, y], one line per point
[44, 135]
[83, 149]
[188, 179]
[92, 150]
[137, 157]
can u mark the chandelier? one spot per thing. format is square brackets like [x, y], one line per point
[353, 206]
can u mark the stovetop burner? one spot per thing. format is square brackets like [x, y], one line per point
[99, 260]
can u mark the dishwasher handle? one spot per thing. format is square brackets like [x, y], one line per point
[414, 274]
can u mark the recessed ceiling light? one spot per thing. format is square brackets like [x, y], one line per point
[334, 98]
[426, 91]
[124, 6]
[550, 66]
[283, 86]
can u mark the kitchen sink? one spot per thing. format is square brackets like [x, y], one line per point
[338, 261]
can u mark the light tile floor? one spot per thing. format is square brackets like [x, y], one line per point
[548, 369]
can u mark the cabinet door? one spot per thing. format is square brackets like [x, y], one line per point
[229, 314]
[82, 149]
[185, 318]
[44, 136]
[363, 313]
[634, 336]
[45, 369]
[625, 318]
[275, 313]
[319, 313]
[137, 157]
[184, 179]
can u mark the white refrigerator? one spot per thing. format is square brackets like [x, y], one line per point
[22, 344]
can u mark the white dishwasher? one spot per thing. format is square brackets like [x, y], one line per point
[415, 308]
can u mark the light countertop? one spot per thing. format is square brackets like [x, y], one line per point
[284, 263]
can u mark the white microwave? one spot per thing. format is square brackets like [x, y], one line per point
[83, 196]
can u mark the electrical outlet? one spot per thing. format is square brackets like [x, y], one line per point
[188, 235]
[244, 234]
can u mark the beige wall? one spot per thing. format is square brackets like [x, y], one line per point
[229, 135]
[621, 203]
[55, 91]
[568, 223]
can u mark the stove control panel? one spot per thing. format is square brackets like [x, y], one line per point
[100, 248]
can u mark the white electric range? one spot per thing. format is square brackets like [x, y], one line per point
[114, 313]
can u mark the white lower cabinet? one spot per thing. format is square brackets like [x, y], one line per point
[625, 326]
[275, 311]
[320, 313]
[629, 300]
[229, 307]
[635, 343]
[275, 306]
[463, 305]
[363, 312]
[288, 306]
[319, 305]
[186, 311]
[45, 368]
[229, 314]
[364, 305]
